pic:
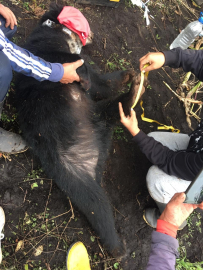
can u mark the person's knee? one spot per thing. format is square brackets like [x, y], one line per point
[8, 32]
[5, 73]
[11, 32]
[155, 134]
[151, 174]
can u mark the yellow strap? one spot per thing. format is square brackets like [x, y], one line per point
[141, 85]
[162, 125]
[114, 0]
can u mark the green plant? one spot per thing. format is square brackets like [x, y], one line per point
[158, 37]
[111, 65]
[184, 264]
[116, 265]
[119, 134]
[92, 238]
[114, 63]
[26, 5]
[128, 3]
[7, 119]
[133, 255]
[35, 174]
[15, 40]
[194, 222]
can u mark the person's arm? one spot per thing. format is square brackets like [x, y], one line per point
[164, 248]
[189, 60]
[182, 164]
[30, 65]
[25, 62]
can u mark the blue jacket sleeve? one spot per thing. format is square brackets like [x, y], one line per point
[189, 60]
[26, 63]
[164, 250]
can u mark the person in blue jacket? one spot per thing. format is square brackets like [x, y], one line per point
[13, 57]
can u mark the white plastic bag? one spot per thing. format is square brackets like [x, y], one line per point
[139, 3]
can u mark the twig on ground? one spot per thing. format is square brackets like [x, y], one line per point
[168, 102]
[47, 200]
[137, 198]
[118, 211]
[72, 217]
[187, 101]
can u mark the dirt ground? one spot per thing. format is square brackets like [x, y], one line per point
[40, 221]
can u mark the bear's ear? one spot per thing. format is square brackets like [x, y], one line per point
[52, 13]
[85, 80]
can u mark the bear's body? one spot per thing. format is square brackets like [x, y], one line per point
[70, 128]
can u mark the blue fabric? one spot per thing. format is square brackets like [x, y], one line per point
[25, 62]
[5, 75]
[164, 250]
[28, 64]
[8, 32]
[5, 65]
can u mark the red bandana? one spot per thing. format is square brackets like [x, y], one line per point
[73, 19]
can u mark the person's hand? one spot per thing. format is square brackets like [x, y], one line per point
[155, 61]
[176, 211]
[70, 75]
[130, 122]
[9, 16]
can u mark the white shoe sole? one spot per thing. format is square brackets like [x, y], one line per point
[2, 223]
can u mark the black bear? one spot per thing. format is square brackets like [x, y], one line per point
[69, 127]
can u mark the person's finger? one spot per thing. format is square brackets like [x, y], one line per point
[78, 63]
[178, 198]
[8, 20]
[149, 68]
[12, 21]
[143, 63]
[121, 112]
[143, 57]
[76, 77]
[194, 206]
[14, 18]
[132, 113]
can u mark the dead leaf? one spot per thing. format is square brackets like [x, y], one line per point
[177, 12]
[38, 251]
[38, 11]
[20, 245]
[163, 18]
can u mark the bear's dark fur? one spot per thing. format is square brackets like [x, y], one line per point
[69, 127]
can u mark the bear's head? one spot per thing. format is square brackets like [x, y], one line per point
[71, 22]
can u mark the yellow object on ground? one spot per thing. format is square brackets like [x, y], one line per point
[77, 257]
[162, 125]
